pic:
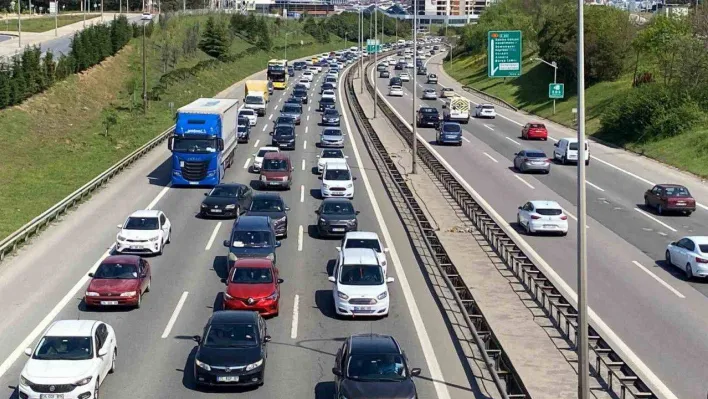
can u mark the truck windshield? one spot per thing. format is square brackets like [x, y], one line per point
[194, 145]
[277, 77]
[254, 100]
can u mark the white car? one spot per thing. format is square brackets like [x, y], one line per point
[542, 216]
[409, 64]
[146, 16]
[308, 75]
[144, 232]
[305, 82]
[332, 75]
[360, 284]
[250, 114]
[71, 360]
[315, 69]
[329, 155]
[329, 94]
[258, 157]
[689, 254]
[430, 94]
[485, 111]
[395, 91]
[405, 77]
[337, 180]
[364, 239]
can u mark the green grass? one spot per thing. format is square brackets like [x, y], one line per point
[55, 142]
[43, 24]
[529, 92]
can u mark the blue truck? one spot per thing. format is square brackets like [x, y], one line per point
[203, 142]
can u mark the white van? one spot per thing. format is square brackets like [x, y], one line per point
[566, 150]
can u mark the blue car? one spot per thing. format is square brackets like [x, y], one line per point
[449, 133]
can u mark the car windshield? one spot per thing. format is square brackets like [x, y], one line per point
[116, 271]
[574, 146]
[549, 211]
[231, 335]
[285, 120]
[299, 93]
[224, 192]
[361, 275]
[292, 109]
[377, 367]
[246, 112]
[367, 243]
[337, 174]
[331, 112]
[284, 131]
[252, 275]
[250, 239]
[301, 87]
[432, 75]
[275, 165]
[332, 132]
[332, 154]
[267, 205]
[328, 93]
[451, 128]
[261, 153]
[536, 155]
[677, 192]
[64, 348]
[337, 208]
[327, 100]
[134, 223]
[242, 121]
[254, 100]
[537, 126]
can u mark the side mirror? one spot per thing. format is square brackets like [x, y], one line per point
[197, 339]
[267, 338]
[278, 244]
[227, 243]
[390, 279]
[170, 143]
[271, 133]
[354, 178]
[206, 194]
[318, 156]
[336, 371]
[386, 249]
[103, 351]
[415, 372]
[555, 144]
[339, 249]
[516, 153]
[223, 280]
[287, 208]
[319, 177]
[332, 279]
[28, 351]
[357, 212]
[120, 226]
[281, 281]
[519, 208]
[253, 155]
[90, 274]
[317, 211]
[673, 243]
[220, 144]
[444, 106]
[346, 157]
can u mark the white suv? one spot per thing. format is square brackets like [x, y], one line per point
[542, 216]
[360, 284]
[337, 180]
[367, 240]
[144, 232]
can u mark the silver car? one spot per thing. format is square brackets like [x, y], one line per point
[430, 94]
[532, 161]
[332, 137]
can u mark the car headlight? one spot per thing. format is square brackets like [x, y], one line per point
[350, 185]
[153, 239]
[204, 205]
[233, 257]
[351, 222]
[231, 206]
[382, 295]
[285, 178]
[120, 238]
[91, 293]
[271, 256]
[322, 220]
[281, 220]
[227, 296]
[202, 365]
[342, 295]
[255, 365]
[263, 178]
[82, 381]
[129, 293]
[24, 381]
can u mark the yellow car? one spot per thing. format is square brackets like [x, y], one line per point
[447, 92]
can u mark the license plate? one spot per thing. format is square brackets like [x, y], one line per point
[216, 210]
[338, 229]
[537, 163]
[548, 226]
[681, 203]
[228, 378]
[51, 396]
[361, 308]
[135, 247]
[109, 302]
[274, 183]
[194, 183]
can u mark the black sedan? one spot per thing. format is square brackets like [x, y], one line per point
[226, 200]
[336, 217]
[233, 350]
[273, 206]
[373, 366]
[243, 133]
[300, 96]
[330, 117]
[327, 86]
[284, 136]
[385, 74]
[327, 103]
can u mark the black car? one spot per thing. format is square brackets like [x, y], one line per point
[226, 200]
[299, 65]
[273, 206]
[330, 117]
[283, 120]
[395, 81]
[373, 365]
[327, 86]
[422, 71]
[400, 53]
[284, 136]
[428, 116]
[243, 133]
[385, 74]
[291, 71]
[327, 103]
[300, 96]
[336, 216]
[300, 86]
[252, 237]
[232, 350]
[400, 66]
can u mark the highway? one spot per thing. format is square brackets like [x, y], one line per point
[47, 279]
[659, 315]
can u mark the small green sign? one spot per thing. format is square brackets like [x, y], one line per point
[504, 53]
[556, 91]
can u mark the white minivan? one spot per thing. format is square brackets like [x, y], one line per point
[566, 150]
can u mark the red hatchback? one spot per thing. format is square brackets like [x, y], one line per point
[253, 284]
[120, 280]
[670, 197]
[534, 130]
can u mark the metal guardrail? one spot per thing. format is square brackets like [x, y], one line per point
[489, 97]
[20, 236]
[498, 364]
[558, 308]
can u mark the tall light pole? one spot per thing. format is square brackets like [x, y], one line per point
[286, 45]
[19, 22]
[583, 365]
[553, 65]
[376, 53]
[361, 52]
[56, 18]
[415, 86]
[346, 33]
[145, 104]
[85, 6]
[101, 10]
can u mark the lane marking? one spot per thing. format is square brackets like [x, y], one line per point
[488, 127]
[299, 238]
[213, 236]
[270, 117]
[296, 313]
[309, 108]
[248, 162]
[304, 145]
[275, 108]
[466, 139]
[256, 143]
[655, 219]
[280, 100]
[303, 164]
[159, 197]
[524, 181]
[265, 127]
[594, 185]
[512, 140]
[572, 216]
[308, 119]
[490, 157]
[302, 193]
[307, 128]
[657, 278]
[175, 314]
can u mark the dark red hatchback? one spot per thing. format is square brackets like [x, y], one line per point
[120, 280]
[670, 198]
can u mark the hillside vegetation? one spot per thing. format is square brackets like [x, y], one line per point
[646, 85]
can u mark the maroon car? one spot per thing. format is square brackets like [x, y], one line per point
[120, 280]
[671, 198]
[276, 171]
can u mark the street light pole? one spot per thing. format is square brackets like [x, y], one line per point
[286, 45]
[415, 86]
[361, 51]
[346, 33]
[56, 18]
[19, 24]
[376, 53]
[553, 65]
[144, 74]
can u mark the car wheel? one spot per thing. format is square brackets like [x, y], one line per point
[659, 209]
[161, 248]
[140, 300]
[689, 272]
[688, 213]
[96, 390]
[147, 289]
[564, 161]
[646, 203]
[113, 361]
[667, 256]
[169, 236]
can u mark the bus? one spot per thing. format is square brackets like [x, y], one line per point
[278, 73]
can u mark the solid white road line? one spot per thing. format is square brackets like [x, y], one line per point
[466, 139]
[304, 145]
[490, 157]
[302, 193]
[175, 314]
[299, 238]
[248, 162]
[296, 313]
[655, 219]
[593, 185]
[662, 282]
[488, 127]
[303, 164]
[425, 343]
[524, 181]
[159, 197]
[512, 140]
[213, 236]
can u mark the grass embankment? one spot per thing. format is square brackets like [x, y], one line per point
[530, 93]
[56, 141]
[43, 24]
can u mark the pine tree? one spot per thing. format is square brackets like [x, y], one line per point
[18, 86]
[264, 42]
[215, 41]
[4, 86]
[48, 68]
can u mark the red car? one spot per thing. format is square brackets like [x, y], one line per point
[120, 280]
[670, 197]
[534, 130]
[253, 284]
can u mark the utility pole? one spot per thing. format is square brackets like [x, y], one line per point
[361, 51]
[102, 10]
[286, 45]
[415, 86]
[85, 6]
[145, 104]
[56, 18]
[376, 53]
[19, 23]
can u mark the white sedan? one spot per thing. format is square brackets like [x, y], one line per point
[395, 91]
[258, 157]
[250, 114]
[305, 82]
[71, 360]
[308, 75]
[689, 254]
[430, 94]
[542, 216]
[146, 16]
[144, 232]
[329, 94]
[405, 77]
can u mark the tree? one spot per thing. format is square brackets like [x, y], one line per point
[215, 41]
[264, 41]
[663, 39]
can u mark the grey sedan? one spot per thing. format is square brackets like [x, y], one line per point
[332, 137]
[430, 94]
[532, 161]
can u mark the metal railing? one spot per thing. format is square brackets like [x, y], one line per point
[520, 258]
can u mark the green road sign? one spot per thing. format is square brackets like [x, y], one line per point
[373, 46]
[504, 53]
[556, 90]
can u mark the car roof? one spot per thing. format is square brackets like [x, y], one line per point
[71, 328]
[373, 344]
[125, 259]
[264, 263]
[246, 111]
[545, 204]
[233, 316]
[252, 223]
[235, 185]
[266, 148]
[361, 235]
[338, 165]
[276, 155]
[145, 213]
[359, 256]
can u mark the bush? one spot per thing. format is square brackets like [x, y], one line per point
[215, 41]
